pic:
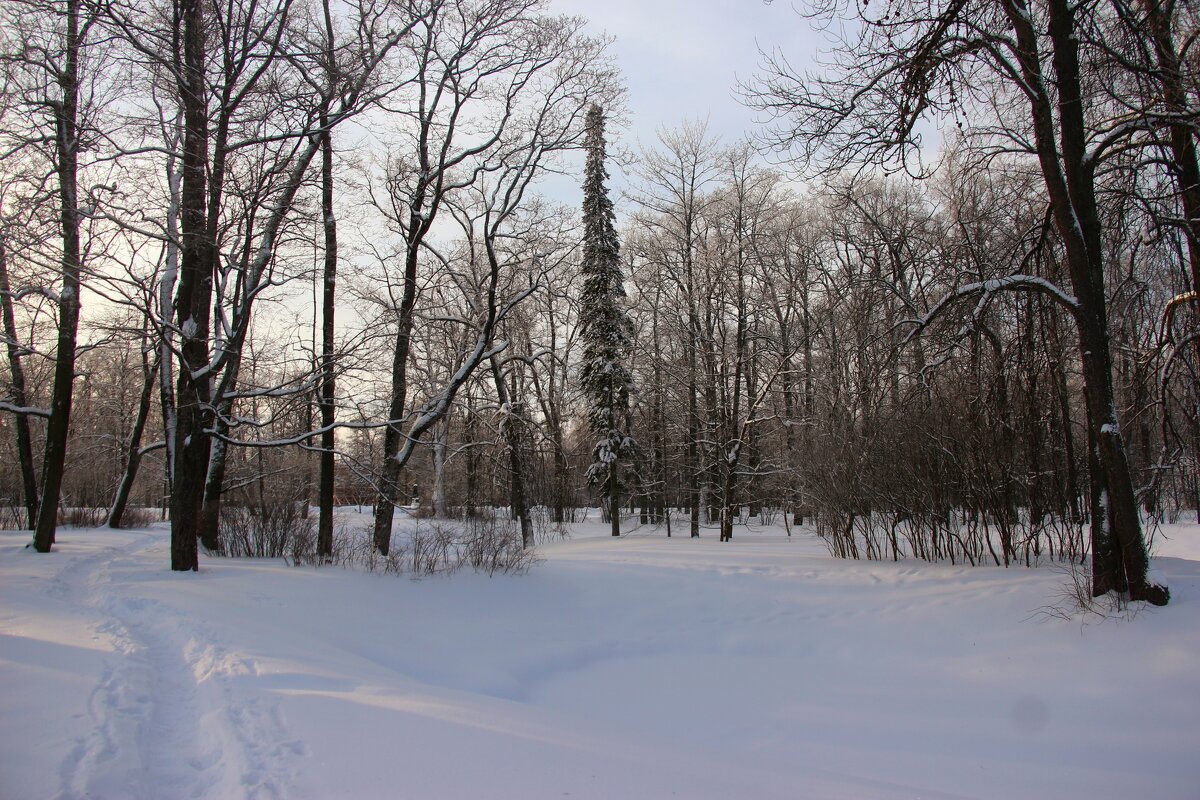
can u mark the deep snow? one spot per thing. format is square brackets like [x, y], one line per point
[642, 667]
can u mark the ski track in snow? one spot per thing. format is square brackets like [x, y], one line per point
[166, 718]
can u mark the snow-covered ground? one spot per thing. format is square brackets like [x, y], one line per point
[642, 667]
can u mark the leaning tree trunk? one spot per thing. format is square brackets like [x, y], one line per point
[67, 147]
[389, 483]
[133, 447]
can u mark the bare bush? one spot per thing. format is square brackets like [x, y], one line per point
[12, 518]
[82, 517]
[545, 529]
[490, 546]
[273, 530]
[1074, 600]
[442, 547]
[138, 517]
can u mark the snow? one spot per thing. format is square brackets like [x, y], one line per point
[638, 667]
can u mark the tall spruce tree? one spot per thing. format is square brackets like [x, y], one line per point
[606, 330]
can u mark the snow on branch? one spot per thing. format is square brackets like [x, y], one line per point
[1172, 308]
[29, 411]
[986, 289]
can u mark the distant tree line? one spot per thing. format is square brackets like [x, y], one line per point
[318, 269]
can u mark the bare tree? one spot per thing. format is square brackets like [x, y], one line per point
[499, 88]
[20, 397]
[239, 173]
[50, 66]
[673, 196]
[919, 58]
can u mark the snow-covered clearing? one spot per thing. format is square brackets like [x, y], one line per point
[643, 667]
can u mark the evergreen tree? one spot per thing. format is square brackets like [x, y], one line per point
[606, 330]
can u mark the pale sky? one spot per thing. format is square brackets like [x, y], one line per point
[682, 58]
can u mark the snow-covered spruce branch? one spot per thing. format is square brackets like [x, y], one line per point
[987, 289]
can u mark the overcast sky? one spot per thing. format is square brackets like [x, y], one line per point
[682, 58]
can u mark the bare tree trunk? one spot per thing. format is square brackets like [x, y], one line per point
[1182, 141]
[658, 441]
[20, 398]
[193, 299]
[614, 498]
[214, 485]
[67, 152]
[510, 425]
[166, 292]
[133, 447]
[695, 471]
[389, 485]
[1116, 527]
[470, 427]
[440, 432]
[328, 367]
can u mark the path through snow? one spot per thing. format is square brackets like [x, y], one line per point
[638, 668]
[163, 719]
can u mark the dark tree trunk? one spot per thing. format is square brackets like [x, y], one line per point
[133, 447]
[1182, 140]
[510, 426]
[695, 471]
[66, 140]
[328, 412]
[214, 483]
[389, 483]
[20, 397]
[193, 298]
[614, 498]
[1116, 527]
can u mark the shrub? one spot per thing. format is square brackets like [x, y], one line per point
[274, 530]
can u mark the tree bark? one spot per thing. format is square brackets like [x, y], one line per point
[510, 425]
[328, 464]
[1068, 174]
[20, 397]
[193, 298]
[67, 153]
[134, 446]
